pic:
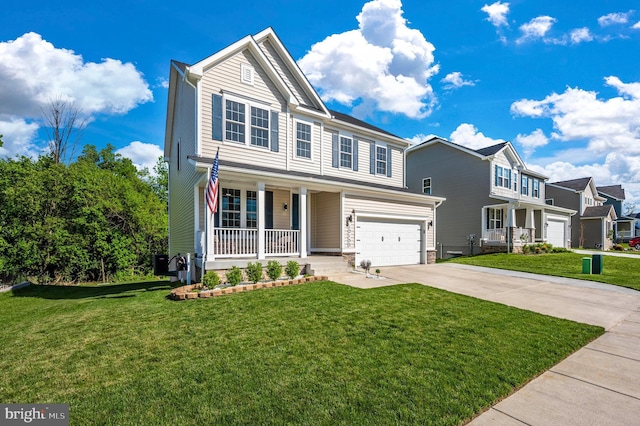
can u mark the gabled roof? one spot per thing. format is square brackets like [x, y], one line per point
[491, 150]
[592, 212]
[354, 121]
[483, 153]
[612, 191]
[574, 184]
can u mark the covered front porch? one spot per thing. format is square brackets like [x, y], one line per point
[506, 224]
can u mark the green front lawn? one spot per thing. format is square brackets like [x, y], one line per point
[620, 271]
[320, 353]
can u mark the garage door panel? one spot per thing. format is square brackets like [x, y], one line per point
[556, 233]
[387, 243]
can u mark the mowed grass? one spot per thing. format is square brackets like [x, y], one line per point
[621, 271]
[319, 353]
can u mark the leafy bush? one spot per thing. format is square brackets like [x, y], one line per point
[540, 248]
[366, 265]
[617, 247]
[293, 269]
[234, 276]
[254, 272]
[211, 279]
[274, 269]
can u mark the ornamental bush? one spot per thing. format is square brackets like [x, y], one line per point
[274, 270]
[293, 269]
[254, 272]
[234, 276]
[211, 279]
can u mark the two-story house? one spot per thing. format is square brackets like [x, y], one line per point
[625, 226]
[592, 227]
[294, 178]
[494, 202]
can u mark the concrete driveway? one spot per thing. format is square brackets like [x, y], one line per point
[597, 385]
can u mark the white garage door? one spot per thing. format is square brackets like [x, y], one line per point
[555, 233]
[387, 243]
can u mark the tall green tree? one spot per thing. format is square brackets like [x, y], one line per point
[93, 219]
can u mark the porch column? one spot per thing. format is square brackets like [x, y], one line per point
[261, 220]
[530, 224]
[303, 222]
[511, 223]
[483, 225]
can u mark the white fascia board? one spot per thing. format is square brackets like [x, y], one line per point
[524, 204]
[197, 70]
[270, 34]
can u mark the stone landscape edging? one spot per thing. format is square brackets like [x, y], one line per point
[186, 292]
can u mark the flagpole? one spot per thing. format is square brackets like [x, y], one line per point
[205, 249]
[211, 205]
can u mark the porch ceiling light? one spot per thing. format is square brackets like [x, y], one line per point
[285, 206]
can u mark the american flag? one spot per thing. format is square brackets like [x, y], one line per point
[212, 187]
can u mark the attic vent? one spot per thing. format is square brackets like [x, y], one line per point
[246, 74]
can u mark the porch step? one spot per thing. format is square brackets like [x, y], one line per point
[327, 265]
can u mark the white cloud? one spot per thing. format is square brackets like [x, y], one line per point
[614, 18]
[608, 124]
[580, 34]
[537, 28]
[17, 135]
[419, 138]
[143, 155]
[636, 26]
[455, 80]
[530, 142]
[497, 13]
[468, 135]
[383, 63]
[34, 71]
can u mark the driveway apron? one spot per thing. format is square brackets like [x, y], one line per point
[597, 385]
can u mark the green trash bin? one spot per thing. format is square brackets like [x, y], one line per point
[586, 265]
[597, 263]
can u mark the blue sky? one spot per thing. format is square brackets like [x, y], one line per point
[560, 80]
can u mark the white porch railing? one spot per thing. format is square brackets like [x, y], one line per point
[520, 235]
[282, 242]
[234, 242]
[625, 234]
[242, 242]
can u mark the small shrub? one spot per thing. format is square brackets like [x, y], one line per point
[254, 272]
[211, 279]
[274, 270]
[618, 247]
[378, 272]
[293, 269]
[366, 265]
[526, 249]
[234, 276]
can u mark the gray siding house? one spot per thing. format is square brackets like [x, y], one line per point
[593, 226]
[625, 227]
[295, 178]
[494, 202]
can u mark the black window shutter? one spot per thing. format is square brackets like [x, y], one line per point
[355, 155]
[268, 212]
[389, 162]
[216, 124]
[335, 151]
[372, 158]
[274, 131]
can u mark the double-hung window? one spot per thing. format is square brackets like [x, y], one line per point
[426, 186]
[524, 185]
[259, 127]
[231, 206]
[303, 140]
[235, 119]
[503, 177]
[381, 160]
[536, 188]
[346, 152]
[494, 218]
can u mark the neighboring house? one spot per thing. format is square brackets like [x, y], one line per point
[494, 202]
[625, 226]
[592, 227]
[295, 178]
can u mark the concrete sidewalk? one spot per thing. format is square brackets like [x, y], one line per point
[599, 384]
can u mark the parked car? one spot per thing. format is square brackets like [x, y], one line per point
[635, 243]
